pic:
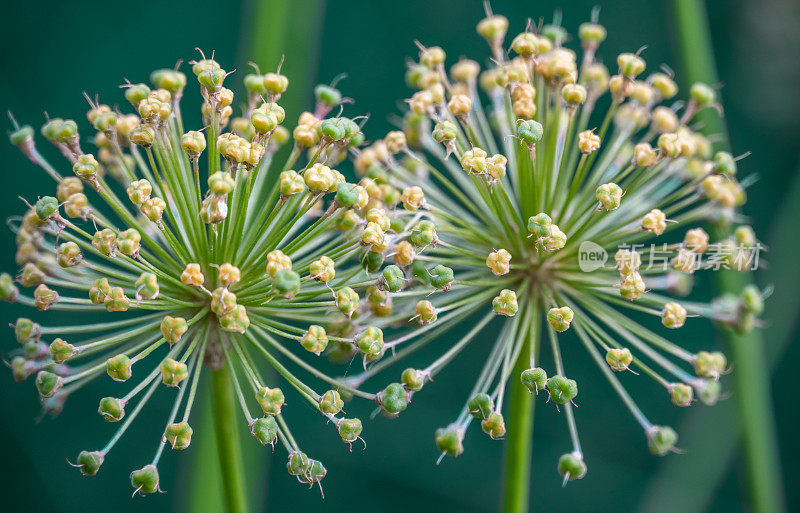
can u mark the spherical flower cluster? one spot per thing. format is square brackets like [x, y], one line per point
[230, 265]
[538, 168]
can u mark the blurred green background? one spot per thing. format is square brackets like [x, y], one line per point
[50, 52]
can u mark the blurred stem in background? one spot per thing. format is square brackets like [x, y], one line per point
[748, 352]
[227, 423]
[519, 441]
[269, 35]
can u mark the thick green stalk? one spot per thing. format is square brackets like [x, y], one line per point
[227, 423]
[751, 373]
[519, 438]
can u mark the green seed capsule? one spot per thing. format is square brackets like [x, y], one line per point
[89, 462]
[571, 466]
[48, 383]
[265, 430]
[481, 406]
[179, 435]
[145, 480]
[449, 441]
[393, 399]
[562, 390]
[111, 409]
[661, 440]
[534, 379]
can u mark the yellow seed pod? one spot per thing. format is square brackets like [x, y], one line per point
[632, 287]
[696, 240]
[192, 275]
[655, 221]
[277, 260]
[588, 142]
[498, 261]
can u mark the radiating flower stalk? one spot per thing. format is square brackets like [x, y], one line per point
[533, 167]
[226, 257]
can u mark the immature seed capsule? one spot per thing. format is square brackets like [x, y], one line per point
[331, 402]
[588, 142]
[481, 406]
[560, 318]
[571, 466]
[173, 372]
[119, 367]
[506, 303]
[449, 441]
[633, 286]
[661, 440]
[393, 399]
[44, 297]
[179, 435]
[619, 359]
[89, 462]
[609, 195]
[710, 365]
[173, 328]
[265, 430]
[48, 383]
[111, 409]
[673, 315]
[116, 300]
[413, 379]
[145, 480]
[562, 390]
[271, 400]
[534, 379]
[315, 340]
[349, 429]
[494, 425]
[61, 351]
[681, 394]
[370, 341]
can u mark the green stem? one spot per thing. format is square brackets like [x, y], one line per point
[228, 445]
[751, 372]
[519, 439]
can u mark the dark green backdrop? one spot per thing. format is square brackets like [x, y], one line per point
[50, 52]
